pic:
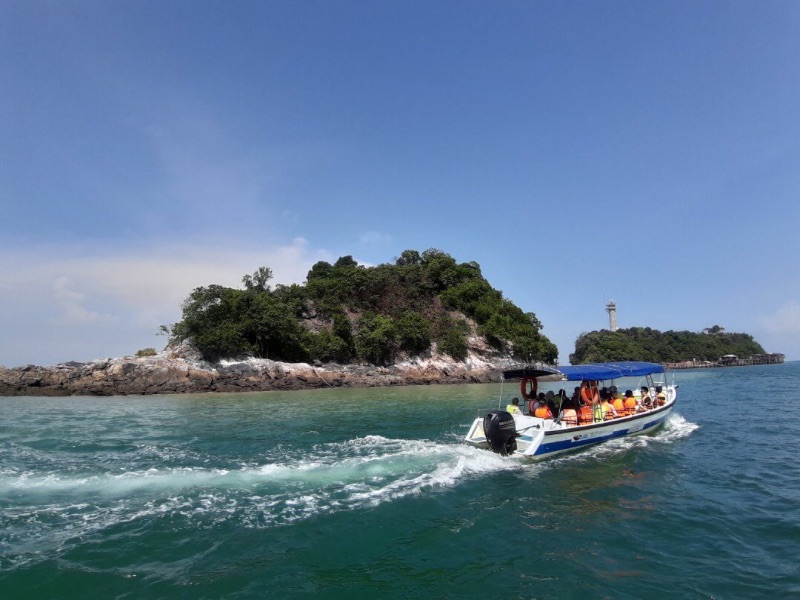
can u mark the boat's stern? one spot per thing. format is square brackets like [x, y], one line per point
[527, 437]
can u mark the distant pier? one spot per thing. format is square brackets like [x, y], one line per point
[729, 360]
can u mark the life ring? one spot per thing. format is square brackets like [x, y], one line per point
[588, 391]
[523, 387]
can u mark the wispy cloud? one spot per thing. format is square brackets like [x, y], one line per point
[88, 299]
[72, 304]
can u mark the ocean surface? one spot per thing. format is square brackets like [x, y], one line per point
[369, 493]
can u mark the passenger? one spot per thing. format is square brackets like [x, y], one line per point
[513, 408]
[661, 397]
[609, 412]
[588, 392]
[647, 401]
[576, 397]
[569, 403]
[616, 401]
[569, 417]
[550, 402]
[543, 412]
[585, 415]
[561, 400]
[630, 403]
[532, 402]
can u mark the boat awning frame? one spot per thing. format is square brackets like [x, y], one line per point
[592, 371]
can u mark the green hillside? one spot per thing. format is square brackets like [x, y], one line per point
[346, 312]
[643, 343]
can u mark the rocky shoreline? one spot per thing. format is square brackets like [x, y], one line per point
[181, 373]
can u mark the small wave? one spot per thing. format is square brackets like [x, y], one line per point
[676, 427]
[168, 453]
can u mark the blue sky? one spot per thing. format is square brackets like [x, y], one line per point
[647, 152]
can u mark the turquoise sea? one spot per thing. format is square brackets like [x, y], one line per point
[370, 493]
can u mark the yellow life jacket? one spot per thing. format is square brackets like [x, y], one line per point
[608, 413]
[513, 409]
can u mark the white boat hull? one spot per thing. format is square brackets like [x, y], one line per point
[559, 438]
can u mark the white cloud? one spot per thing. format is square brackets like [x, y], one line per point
[110, 302]
[72, 304]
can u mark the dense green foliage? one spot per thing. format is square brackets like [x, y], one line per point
[643, 343]
[346, 312]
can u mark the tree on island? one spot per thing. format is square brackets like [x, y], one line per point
[347, 312]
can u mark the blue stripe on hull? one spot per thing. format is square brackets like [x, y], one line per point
[571, 444]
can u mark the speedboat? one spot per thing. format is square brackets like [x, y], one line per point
[532, 437]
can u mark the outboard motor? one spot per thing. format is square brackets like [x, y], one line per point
[501, 432]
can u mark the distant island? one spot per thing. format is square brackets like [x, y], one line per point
[676, 349]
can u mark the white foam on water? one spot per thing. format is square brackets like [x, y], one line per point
[675, 428]
[110, 485]
[168, 453]
[53, 510]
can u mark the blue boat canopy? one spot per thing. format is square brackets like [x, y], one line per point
[593, 371]
[610, 370]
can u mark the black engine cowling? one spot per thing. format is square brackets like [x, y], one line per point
[501, 432]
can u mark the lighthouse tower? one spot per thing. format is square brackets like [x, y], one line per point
[611, 309]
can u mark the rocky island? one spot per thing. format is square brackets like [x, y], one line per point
[425, 319]
[182, 370]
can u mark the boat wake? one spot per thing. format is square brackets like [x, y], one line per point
[52, 501]
[47, 507]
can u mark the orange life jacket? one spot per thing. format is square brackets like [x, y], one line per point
[630, 406]
[570, 417]
[585, 415]
[618, 404]
[589, 391]
[543, 413]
